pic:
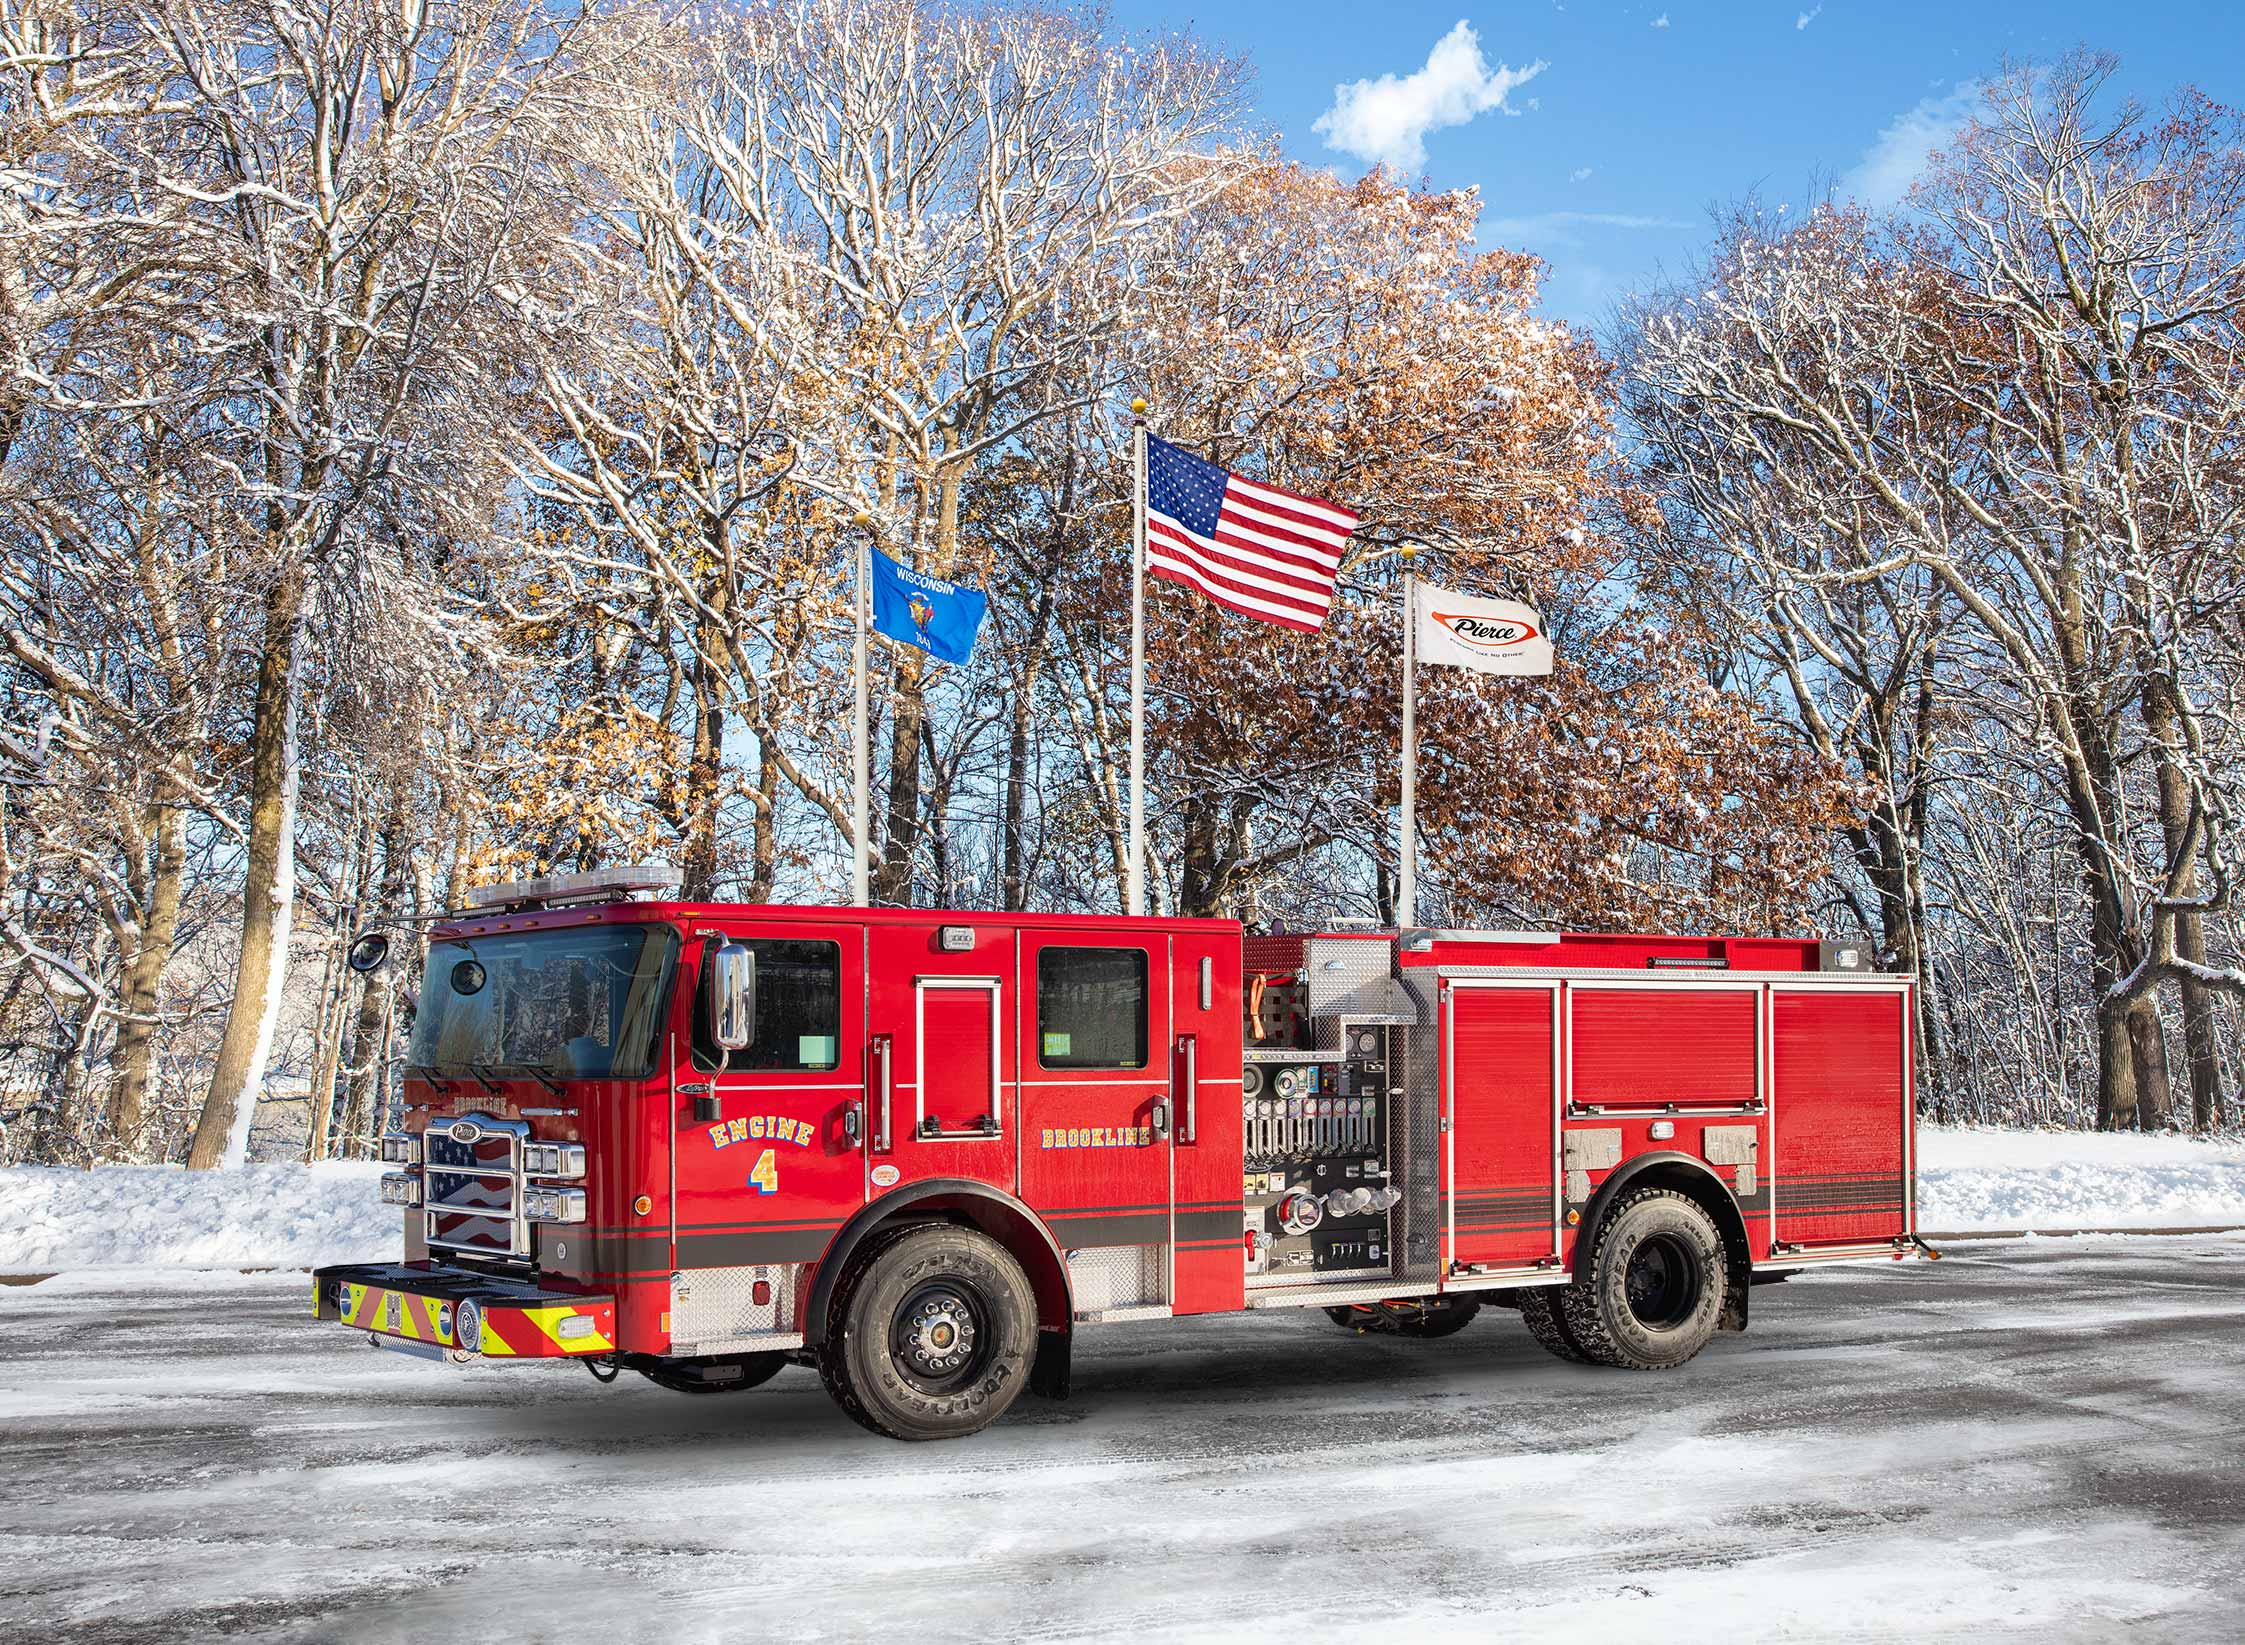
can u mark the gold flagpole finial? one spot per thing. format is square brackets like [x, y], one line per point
[1138, 408]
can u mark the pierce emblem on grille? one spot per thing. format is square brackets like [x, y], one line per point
[464, 1131]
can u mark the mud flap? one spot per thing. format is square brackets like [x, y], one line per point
[1048, 1373]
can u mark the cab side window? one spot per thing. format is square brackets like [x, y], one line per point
[1091, 1007]
[798, 1009]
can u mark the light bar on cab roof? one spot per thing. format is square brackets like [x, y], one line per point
[600, 885]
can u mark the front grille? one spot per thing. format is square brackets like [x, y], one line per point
[471, 1191]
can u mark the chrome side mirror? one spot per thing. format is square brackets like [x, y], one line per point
[732, 996]
[368, 953]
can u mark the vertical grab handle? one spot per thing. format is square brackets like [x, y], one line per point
[882, 1053]
[1189, 1045]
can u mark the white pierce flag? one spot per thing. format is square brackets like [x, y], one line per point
[1494, 636]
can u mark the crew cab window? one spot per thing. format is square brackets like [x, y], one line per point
[1091, 1007]
[577, 1003]
[798, 1009]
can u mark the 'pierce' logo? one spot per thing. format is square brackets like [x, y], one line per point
[1486, 634]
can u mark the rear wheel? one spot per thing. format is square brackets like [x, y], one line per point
[715, 1376]
[1652, 1290]
[932, 1335]
[1547, 1323]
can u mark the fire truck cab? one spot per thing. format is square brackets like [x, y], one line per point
[918, 1149]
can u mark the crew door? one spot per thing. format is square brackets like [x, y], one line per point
[1500, 1073]
[942, 1097]
[1099, 1111]
[765, 1162]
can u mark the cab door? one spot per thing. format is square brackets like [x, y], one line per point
[1099, 1110]
[940, 1055]
[767, 1154]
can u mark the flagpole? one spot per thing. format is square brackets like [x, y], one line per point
[861, 845]
[1134, 874]
[1407, 886]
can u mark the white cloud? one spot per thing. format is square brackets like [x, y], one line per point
[1386, 120]
[1890, 165]
[1581, 174]
[1661, 21]
[1561, 229]
[1808, 17]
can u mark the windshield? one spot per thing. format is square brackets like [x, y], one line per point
[581, 1003]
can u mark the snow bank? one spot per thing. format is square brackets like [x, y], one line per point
[1982, 1179]
[293, 1216]
[139, 1216]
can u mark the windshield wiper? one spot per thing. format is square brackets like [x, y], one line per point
[519, 1069]
[433, 1071]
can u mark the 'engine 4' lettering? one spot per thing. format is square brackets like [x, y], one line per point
[761, 1128]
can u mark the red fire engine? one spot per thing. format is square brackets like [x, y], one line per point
[919, 1150]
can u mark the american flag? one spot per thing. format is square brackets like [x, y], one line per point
[1249, 547]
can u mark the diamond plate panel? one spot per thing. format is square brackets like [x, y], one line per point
[1118, 1276]
[1415, 1120]
[1355, 977]
[715, 1309]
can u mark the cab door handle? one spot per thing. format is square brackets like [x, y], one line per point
[881, 1054]
[1189, 1045]
[1161, 1118]
[853, 1120]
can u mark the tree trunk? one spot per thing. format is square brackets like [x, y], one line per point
[705, 764]
[135, 1052]
[336, 994]
[2116, 1073]
[764, 842]
[268, 889]
[2201, 1042]
[380, 985]
[2147, 1044]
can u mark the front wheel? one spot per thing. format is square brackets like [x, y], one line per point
[932, 1336]
[1652, 1290]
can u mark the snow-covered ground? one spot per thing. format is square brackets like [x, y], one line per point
[288, 1216]
[1984, 1179]
[2026, 1443]
[139, 1216]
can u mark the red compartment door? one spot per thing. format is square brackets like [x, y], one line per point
[1841, 1115]
[1500, 1089]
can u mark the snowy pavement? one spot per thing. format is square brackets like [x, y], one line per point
[2031, 1441]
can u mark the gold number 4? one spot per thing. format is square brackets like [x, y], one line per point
[766, 1175]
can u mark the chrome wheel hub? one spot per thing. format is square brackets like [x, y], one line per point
[938, 1334]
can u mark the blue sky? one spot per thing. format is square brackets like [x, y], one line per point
[1606, 159]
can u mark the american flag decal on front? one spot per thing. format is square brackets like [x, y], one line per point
[1250, 547]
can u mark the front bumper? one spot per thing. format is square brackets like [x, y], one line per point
[508, 1320]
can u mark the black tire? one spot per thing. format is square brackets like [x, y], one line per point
[932, 1334]
[1438, 1319]
[1434, 1319]
[716, 1376]
[1547, 1323]
[1360, 1320]
[1652, 1291]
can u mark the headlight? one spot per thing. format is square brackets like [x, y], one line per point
[401, 1188]
[401, 1148]
[554, 1204]
[553, 1159]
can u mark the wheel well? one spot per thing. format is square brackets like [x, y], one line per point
[1682, 1174]
[961, 1204]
